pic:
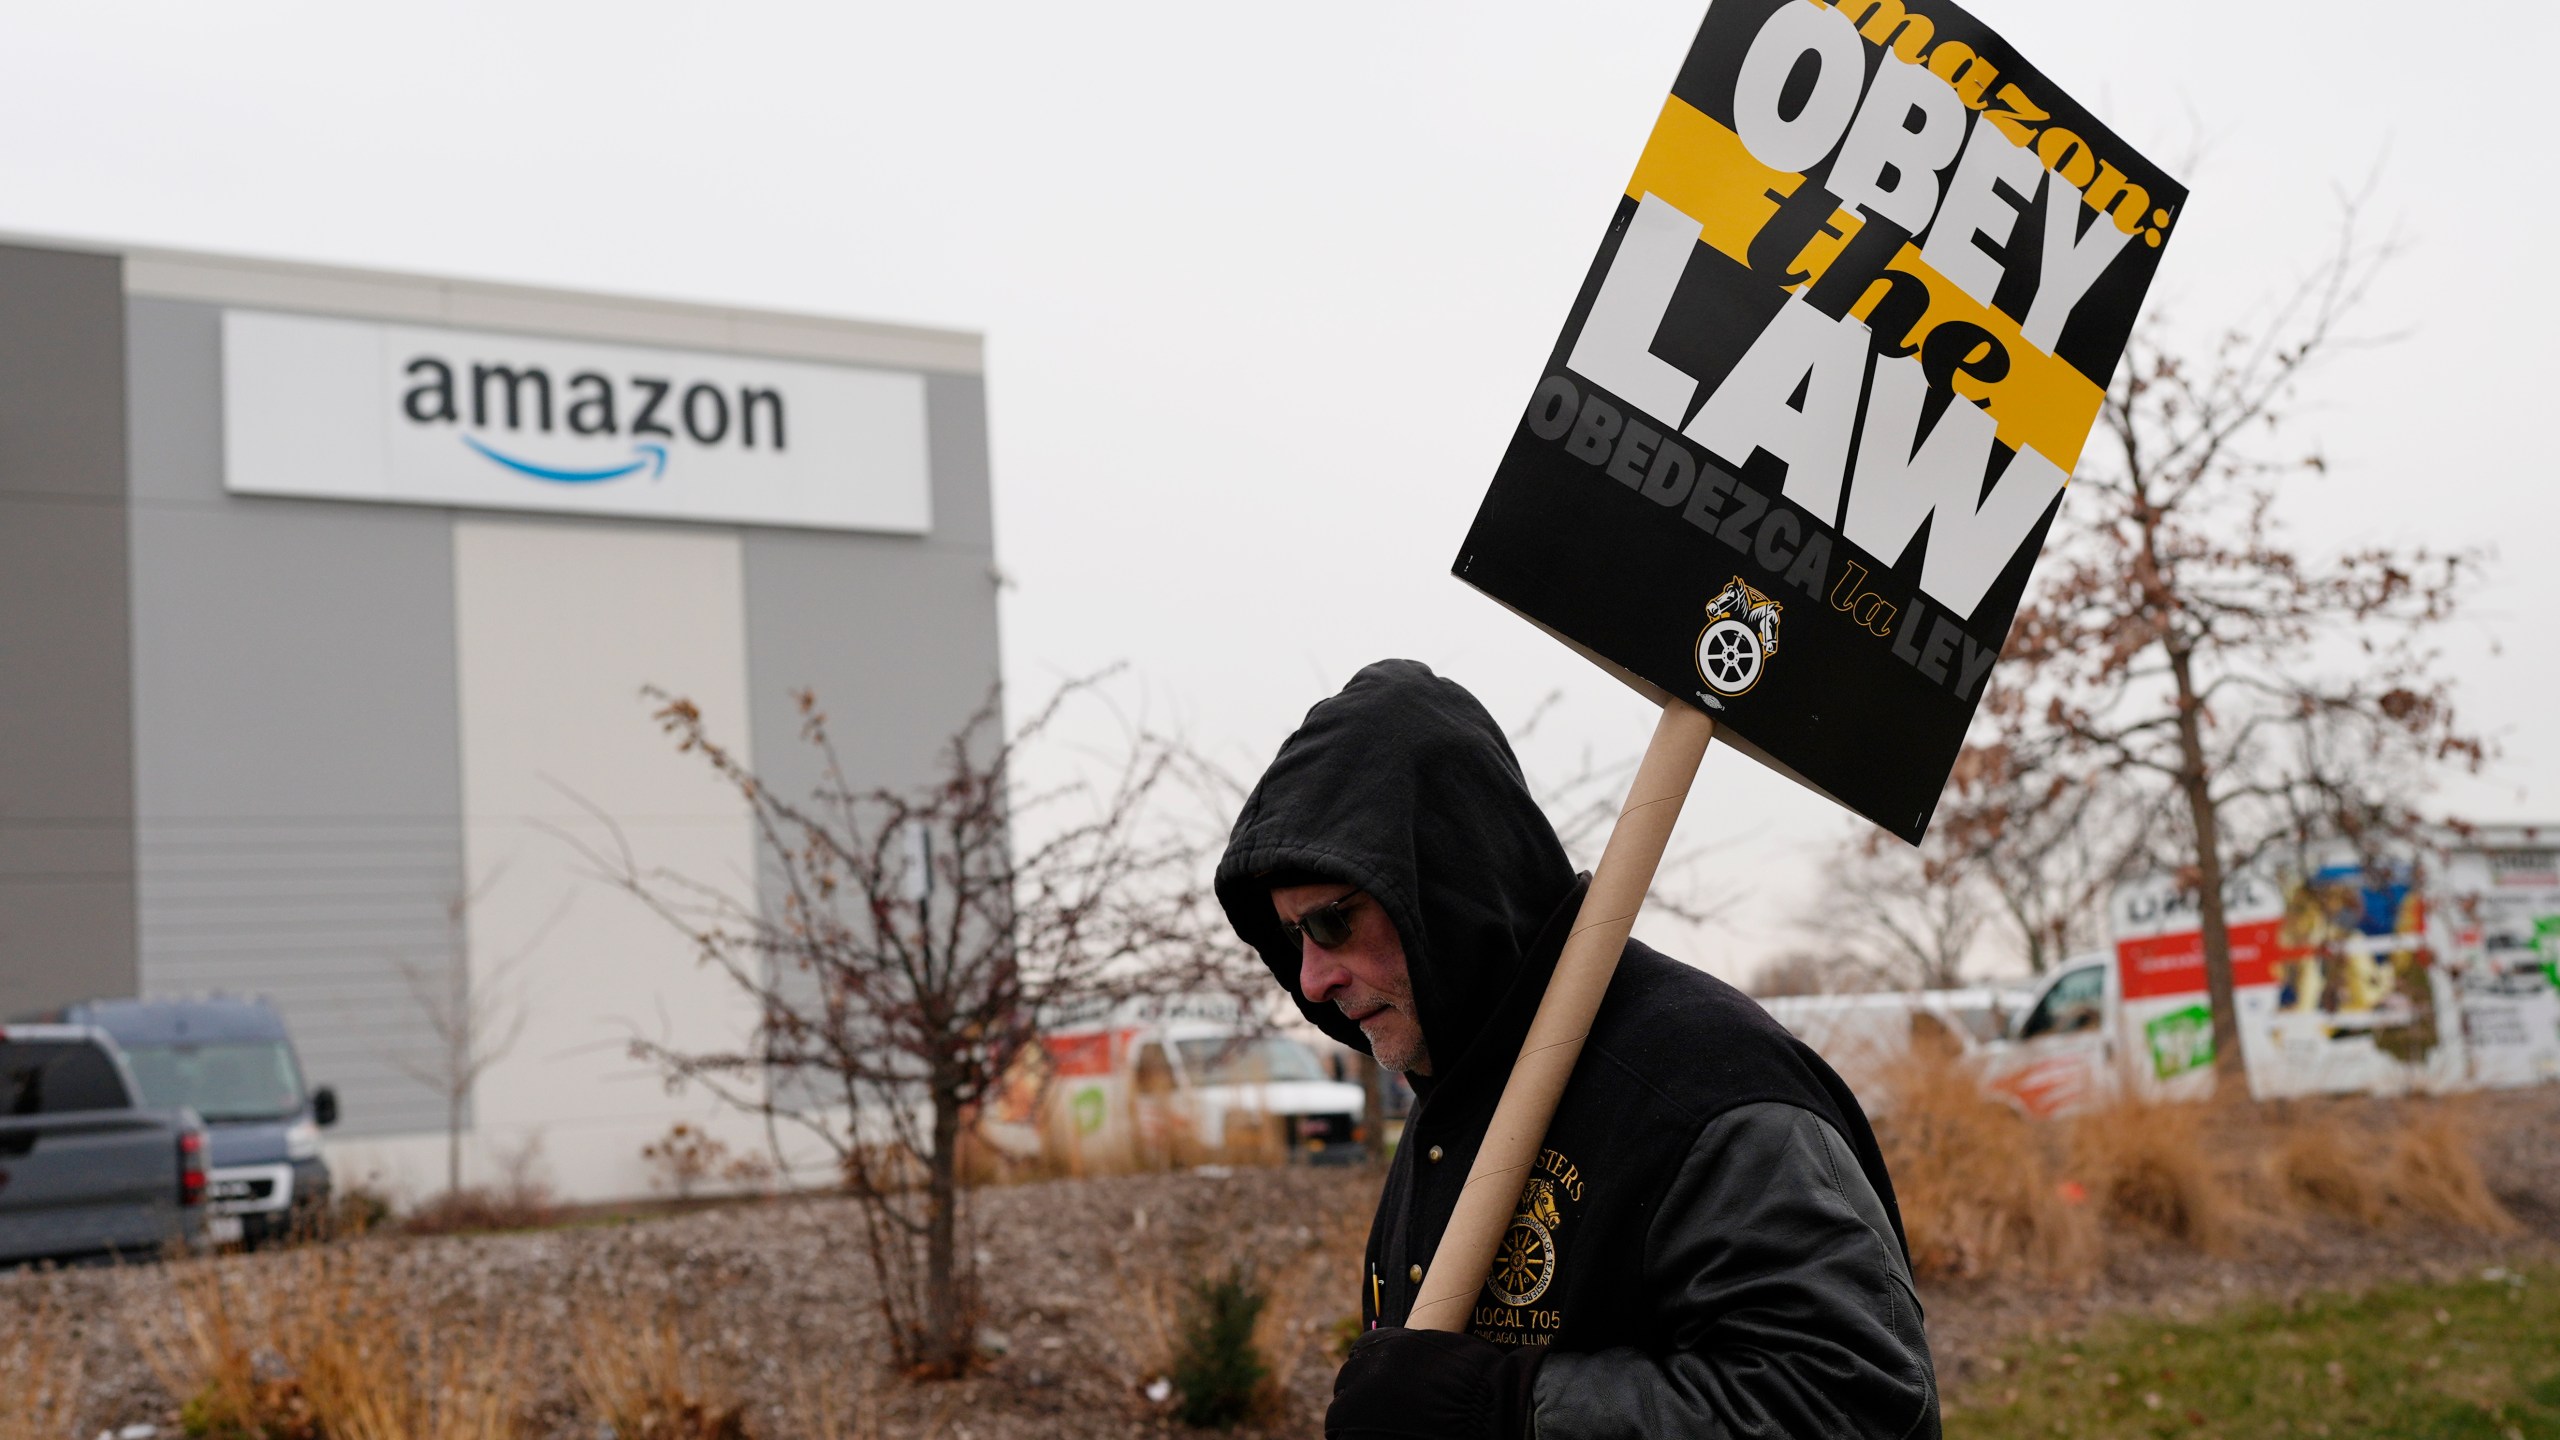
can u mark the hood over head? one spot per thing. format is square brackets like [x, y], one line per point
[1405, 787]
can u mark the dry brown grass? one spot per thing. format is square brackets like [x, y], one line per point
[478, 1209]
[2380, 1163]
[340, 1343]
[324, 1344]
[634, 1371]
[2320, 1169]
[1985, 1191]
[42, 1375]
[213, 1347]
[2156, 1167]
[1977, 1182]
[2434, 1168]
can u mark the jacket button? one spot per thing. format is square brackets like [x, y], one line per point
[1435, 1154]
[1414, 1274]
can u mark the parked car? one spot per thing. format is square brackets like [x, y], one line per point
[84, 1169]
[1175, 1080]
[1866, 1036]
[230, 1060]
[1212, 1081]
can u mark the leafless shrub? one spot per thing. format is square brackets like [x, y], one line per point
[2181, 650]
[688, 1157]
[907, 946]
[521, 1200]
[476, 1209]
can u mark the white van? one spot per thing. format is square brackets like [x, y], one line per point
[1254, 1096]
[2062, 1048]
[1179, 1081]
[1862, 1035]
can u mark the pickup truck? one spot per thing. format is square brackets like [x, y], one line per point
[229, 1059]
[83, 1170]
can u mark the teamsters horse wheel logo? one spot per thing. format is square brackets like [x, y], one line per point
[1741, 635]
[1526, 1264]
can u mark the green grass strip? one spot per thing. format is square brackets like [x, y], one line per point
[2477, 1358]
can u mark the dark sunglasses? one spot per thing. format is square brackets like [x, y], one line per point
[1328, 924]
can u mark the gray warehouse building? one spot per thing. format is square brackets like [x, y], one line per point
[327, 602]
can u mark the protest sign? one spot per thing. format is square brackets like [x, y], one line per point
[1799, 444]
[1823, 387]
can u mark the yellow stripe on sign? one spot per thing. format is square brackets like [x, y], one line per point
[1702, 170]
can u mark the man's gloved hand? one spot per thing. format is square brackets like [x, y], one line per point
[1429, 1385]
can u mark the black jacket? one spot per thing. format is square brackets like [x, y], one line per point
[1708, 1243]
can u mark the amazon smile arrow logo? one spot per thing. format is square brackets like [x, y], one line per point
[649, 457]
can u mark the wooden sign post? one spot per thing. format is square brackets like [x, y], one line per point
[1797, 447]
[1554, 1043]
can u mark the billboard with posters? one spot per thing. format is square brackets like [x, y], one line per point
[2498, 920]
[2361, 1003]
[2334, 977]
[1812, 411]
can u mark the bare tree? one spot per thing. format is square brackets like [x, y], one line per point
[476, 1023]
[903, 955]
[2039, 828]
[1894, 918]
[2177, 643]
[1582, 802]
[1801, 971]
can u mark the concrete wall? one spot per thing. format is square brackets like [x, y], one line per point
[326, 751]
[356, 729]
[897, 636]
[66, 699]
[562, 626]
[295, 737]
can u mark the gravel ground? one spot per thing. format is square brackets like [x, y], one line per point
[1080, 1280]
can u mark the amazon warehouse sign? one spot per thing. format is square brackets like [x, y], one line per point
[361, 410]
[1818, 401]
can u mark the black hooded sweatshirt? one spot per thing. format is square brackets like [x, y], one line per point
[1708, 1242]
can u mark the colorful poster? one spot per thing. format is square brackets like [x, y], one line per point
[2353, 959]
[2334, 980]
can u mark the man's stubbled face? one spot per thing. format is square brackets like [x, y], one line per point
[1364, 977]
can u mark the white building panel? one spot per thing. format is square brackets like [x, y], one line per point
[559, 629]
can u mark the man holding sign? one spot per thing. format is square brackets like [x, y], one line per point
[1786, 473]
[1707, 1242]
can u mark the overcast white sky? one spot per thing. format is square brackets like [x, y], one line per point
[1264, 288]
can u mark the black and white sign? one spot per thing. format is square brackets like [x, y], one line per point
[1811, 415]
[360, 410]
